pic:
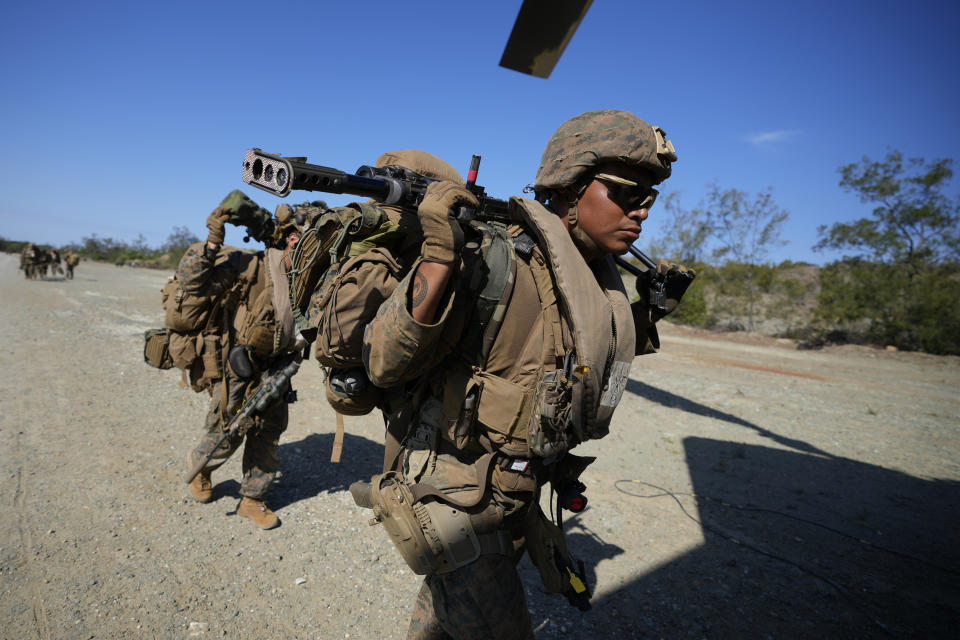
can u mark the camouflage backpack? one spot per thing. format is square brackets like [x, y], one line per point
[196, 330]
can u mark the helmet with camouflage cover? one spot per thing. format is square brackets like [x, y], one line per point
[599, 137]
[421, 162]
[286, 219]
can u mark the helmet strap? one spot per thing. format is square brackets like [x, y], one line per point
[585, 245]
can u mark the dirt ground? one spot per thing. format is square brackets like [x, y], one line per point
[747, 490]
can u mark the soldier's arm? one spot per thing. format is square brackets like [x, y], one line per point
[199, 274]
[430, 280]
[404, 339]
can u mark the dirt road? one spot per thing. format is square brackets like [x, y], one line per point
[815, 494]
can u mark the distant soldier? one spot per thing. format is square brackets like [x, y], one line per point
[27, 257]
[55, 267]
[71, 260]
[43, 261]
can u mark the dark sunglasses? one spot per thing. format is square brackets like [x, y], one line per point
[627, 194]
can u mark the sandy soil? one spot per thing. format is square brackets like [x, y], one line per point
[747, 490]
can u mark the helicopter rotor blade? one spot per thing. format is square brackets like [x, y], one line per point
[541, 33]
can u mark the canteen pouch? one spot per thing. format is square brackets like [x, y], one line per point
[156, 348]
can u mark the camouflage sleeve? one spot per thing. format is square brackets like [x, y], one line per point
[199, 275]
[397, 348]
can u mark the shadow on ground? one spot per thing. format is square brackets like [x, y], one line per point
[799, 544]
[307, 470]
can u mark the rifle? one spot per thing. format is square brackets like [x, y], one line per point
[395, 185]
[658, 285]
[270, 387]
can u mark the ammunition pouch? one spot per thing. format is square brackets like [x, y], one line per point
[433, 537]
[156, 348]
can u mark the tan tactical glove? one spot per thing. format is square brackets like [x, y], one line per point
[661, 290]
[442, 236]
[215, 222]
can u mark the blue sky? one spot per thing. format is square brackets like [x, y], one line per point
[122, 118]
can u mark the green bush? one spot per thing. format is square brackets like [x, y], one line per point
[913, 309]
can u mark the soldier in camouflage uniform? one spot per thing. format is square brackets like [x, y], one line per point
[27, 259]
[55, 268]
[201, 275]
[71, 260]
[460, 436]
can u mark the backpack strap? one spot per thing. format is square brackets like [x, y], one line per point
[491, 272]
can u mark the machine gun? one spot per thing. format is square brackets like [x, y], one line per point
[396, 185]
[390, 185]
[272, 384]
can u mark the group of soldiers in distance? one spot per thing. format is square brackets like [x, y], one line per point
[37, 262]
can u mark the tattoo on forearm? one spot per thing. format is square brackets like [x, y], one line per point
[419, 292]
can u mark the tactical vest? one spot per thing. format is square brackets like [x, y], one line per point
[587, 348]
[590, 336]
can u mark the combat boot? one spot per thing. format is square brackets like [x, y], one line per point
[201, 489]
[257, 511]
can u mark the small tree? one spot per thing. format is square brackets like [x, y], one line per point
[743, 232]
[178, 242]
[901, 276]
[730, 226]
[686, 237]
[913, 224]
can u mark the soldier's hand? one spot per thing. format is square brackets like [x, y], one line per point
[215, 221]
[442, 235]
[662, 290]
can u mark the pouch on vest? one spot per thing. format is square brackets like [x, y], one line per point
[503, 412]
[183, 349]
[156, 348]
[257, 324]
[347, 301]
[182, 312]
[212, 358]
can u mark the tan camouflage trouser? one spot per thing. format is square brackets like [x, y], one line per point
[260, 460]
[481, 601]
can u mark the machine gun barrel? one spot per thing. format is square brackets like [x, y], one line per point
[279, 176]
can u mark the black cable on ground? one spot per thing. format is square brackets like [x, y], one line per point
[867, 543]
[837, 587]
